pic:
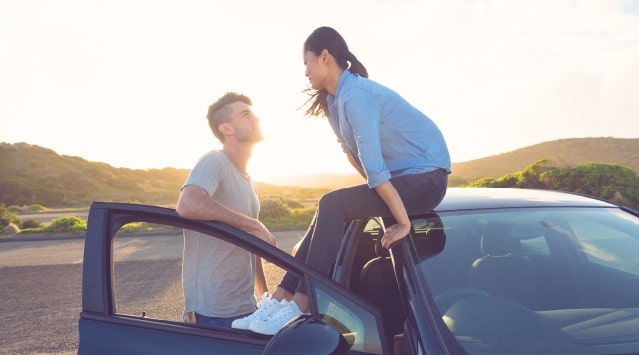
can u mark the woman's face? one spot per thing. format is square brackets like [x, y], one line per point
[316, 70]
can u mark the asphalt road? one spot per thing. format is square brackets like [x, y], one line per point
[40, 287]
[47, 216]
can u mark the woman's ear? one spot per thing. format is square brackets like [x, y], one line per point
[324, 55]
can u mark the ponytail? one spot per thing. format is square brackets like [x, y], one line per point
[356, 66]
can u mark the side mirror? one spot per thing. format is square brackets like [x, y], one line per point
[307, 335]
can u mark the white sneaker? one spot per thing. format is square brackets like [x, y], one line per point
[266, 307]
[277, 320]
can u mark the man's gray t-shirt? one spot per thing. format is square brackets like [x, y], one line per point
[218, 277]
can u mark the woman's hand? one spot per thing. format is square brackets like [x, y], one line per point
[394, 233]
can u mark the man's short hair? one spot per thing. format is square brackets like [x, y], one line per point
[220, 112]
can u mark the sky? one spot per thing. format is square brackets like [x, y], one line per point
[128, 82]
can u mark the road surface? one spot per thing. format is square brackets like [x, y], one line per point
[40, 287]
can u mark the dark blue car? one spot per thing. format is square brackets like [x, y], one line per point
[490, 271]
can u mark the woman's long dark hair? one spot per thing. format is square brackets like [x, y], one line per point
[329, 39]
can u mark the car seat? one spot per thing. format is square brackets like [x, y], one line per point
[378, 284]
[501, 271]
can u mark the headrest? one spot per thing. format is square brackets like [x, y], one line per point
[379, 249]
[431, 243]
[497, 239]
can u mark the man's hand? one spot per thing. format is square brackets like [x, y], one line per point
[260, 231]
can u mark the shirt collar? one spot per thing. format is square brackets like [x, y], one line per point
[342, 78]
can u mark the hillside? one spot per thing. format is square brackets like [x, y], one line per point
[563, 152]
[30, 174]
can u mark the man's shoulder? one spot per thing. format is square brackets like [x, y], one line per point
[212, 154]
[213, 158]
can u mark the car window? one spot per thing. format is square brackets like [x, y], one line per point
[357, 324]
[147, 280]
[606, 243]
[551, 280]
[148, 271]
[147, 263]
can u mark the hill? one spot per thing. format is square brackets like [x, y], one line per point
[30, 174]
[563, 153]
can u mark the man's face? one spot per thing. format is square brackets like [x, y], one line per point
[244, 125]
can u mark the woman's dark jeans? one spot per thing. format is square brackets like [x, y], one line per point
[420, 193]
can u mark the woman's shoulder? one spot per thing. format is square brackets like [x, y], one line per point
[357, 86]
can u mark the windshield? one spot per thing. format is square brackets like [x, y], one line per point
[553, 280]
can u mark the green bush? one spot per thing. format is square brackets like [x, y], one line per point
[33, 208]
[31, 224]
[272, 208]
[66, 225]
[298, 218]
[140, 227]
[7, 217]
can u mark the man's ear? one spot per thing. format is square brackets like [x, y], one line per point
[225, 128]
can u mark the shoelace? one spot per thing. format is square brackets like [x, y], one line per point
[266, 307]
[287, 313]
[262, 299]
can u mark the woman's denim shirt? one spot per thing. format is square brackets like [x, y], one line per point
[384, 133]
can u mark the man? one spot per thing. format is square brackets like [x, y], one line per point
[220, 280]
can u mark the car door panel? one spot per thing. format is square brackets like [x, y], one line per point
[102, 327]
[113, 336]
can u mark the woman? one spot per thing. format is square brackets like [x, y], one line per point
[398, 150]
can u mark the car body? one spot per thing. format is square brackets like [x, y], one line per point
[489, 271]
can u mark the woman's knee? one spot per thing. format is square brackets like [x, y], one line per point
[331, 199]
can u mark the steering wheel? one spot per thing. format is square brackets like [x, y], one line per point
[447, 298]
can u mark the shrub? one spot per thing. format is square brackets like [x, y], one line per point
[273, 208]
[15, 209]
[298, 218]
[31, 224]
[140, 227]
[66, 225]
[7, 217]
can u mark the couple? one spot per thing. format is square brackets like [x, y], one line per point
[398, 150]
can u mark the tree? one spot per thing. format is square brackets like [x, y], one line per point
[611, 182]
[607, 181]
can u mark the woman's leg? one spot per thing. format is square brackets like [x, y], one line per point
[286, 287]
[420, 193]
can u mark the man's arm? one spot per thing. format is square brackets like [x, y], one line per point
[260, 279]
[195, 203]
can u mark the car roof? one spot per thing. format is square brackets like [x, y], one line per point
[470, 198]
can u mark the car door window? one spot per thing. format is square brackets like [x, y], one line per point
[147, 283]
[147, 264]
[358, 325]
[148, 271]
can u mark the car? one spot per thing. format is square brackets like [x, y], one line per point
[489, 271]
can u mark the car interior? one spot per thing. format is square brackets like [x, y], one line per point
[507, 284]
[498, 278]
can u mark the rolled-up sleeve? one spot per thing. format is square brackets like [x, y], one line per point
[362, 113]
